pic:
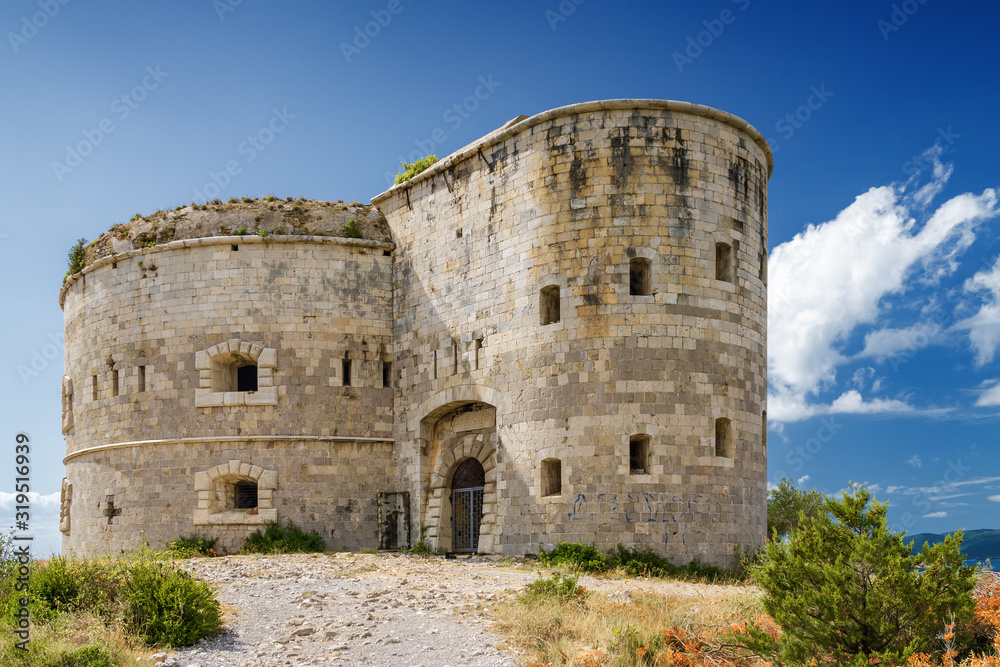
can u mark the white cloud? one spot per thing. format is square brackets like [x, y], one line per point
[991, 395]
[935, 515]
[786, 406]
[802, 480]
[984, 326]
[832, 278]
[8, 500]
[885, 343]
[995, 498]
[915, 461]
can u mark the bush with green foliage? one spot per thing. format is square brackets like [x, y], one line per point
[556, 587]
[411, 169]
[351, 229]
[152, 600]
[77, 257]
[635, 561]
[421, 548]
[846, 590]
[192, 546]
[282, 539]
[788, 506]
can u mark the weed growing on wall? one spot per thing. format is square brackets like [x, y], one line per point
[411, 169]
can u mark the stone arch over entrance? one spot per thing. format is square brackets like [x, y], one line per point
[453, 434]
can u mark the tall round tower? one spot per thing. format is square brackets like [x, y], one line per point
[579, 315]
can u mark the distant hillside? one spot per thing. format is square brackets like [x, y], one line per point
[976, 544]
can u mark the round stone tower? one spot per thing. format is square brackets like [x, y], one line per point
[225, 367]
[580, 306]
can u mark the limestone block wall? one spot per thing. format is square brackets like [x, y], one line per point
[151, 334]
[597, 274]
[129, 496]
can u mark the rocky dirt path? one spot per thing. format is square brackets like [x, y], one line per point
[384, 610]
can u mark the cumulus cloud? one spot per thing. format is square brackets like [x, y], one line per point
[802, 480]
[8, 500]
[984, 326]
[791, 407]
[935, 515]
[833, 277]
[915, 461]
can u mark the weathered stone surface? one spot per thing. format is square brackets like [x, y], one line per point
[586, 276]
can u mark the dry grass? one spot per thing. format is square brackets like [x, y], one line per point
[596, 631]
[70, 632]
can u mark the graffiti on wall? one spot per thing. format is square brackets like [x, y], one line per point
[676, 511]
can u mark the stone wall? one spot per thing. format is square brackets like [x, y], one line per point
[143, 330]
[575, 204]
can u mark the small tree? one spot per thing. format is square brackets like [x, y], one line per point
[845, 590]
[787, 505]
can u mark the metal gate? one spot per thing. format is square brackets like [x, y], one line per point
[467, 514]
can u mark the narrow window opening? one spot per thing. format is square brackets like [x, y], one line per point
[345, 367]
[435, 364]
[548, 305]
[551, 477]
[638, 277]
[638, 455]
[386, 373]
[386, 253]
[454, 358]
[763, 429]
[93, 387]
[114, 265]
[458, 233]
[114, 383]
[245, 495]
[246, 378]
[478, 349]
[724, 262]
[234, 247]
[142, 379]
[723, 438]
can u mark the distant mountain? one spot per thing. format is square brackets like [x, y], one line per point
[976, 544]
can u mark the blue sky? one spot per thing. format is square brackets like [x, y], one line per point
[884, 316]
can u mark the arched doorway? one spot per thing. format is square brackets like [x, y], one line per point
[467, 486]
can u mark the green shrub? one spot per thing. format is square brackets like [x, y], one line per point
[152, 600]
[421, 548]
[411, 169]
[192, 547]
[77, 257]
[635, 561]
[844, 589]
[283, 539]
[351, 229]
[555, 587]
[576, 556]
[167, 606]
[788, 506]
[92, 655]
[240, 231]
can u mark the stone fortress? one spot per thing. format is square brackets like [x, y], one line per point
[556, 333]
